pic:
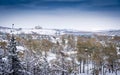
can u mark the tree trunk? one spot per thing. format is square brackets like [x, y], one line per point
[103, 70]
[80, 66]
[112, 66]
[115, 72]
[83, 66]
[62, 65]
[87, 66]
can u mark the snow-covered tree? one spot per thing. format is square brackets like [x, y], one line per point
[15, 66]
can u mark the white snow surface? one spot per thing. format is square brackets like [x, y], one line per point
[37, 31]
[50, 56]
[20, 48]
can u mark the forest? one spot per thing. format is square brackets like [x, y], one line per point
[64, 55]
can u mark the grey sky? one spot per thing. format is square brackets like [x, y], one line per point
[88, 15]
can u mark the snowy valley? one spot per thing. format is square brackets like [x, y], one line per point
[39, 51]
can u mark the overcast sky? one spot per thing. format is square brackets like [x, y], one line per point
[87, 15]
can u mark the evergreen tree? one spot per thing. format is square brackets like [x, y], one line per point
[14, 63]
[1, 68]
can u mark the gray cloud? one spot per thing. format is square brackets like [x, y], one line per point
[56, 4]
[104, 2]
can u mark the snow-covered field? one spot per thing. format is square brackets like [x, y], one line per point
[37, 31]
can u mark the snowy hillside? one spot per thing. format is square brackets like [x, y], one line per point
[44, 31]
[110, 33]
[28, 31]
[36, 31]
[43, 52]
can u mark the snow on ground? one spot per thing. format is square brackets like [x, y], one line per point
[38, 31]
[118, 50]
[51, 56]
[5, 59]
[2, 40]
[20, 48]
[71, 52]
[118, 73]
[1, 52]
[88, 67]
[99, 74]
